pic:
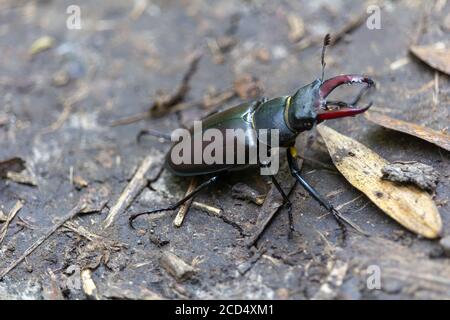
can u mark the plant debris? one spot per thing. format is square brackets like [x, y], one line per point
[351, 25]
[72, 213]
[329, 290]
[23, 177]
[175, 266]
[165, 104]
[243, 191]
[248, 87]
[436, 56]
[9, 218]
[220, 46]
[438, 138]
[41, 44]
[3, 217]
[11, 165]
[184, 208]
[272, 205]
[136, 185]
[296, 27]
[412, 172]
[88, 285]
[79, 182]
[410, 206]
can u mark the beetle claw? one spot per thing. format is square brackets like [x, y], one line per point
[343, 109]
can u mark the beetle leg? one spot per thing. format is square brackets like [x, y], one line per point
[316, 195]
[174, 206]
[287, 202]
[153, 133]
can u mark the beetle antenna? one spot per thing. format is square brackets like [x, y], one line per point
[326, 42]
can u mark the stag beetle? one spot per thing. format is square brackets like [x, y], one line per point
[290, 115]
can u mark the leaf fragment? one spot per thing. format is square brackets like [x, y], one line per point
[41, 44]
[438, 138]
[436, 56]
[408, 205]
[15, 164]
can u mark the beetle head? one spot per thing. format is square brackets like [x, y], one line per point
[309, 105]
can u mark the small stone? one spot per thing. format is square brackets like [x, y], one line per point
[80, 182]
[392, 286]
[279, 52]
[445, 244]
[282, 294]
[248, 87]
[263, 55]
[61, 78]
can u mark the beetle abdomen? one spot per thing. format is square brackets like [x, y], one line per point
[235, 119]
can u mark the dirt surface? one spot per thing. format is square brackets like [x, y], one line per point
[56, 107]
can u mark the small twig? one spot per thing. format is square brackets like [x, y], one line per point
[421, 26]
[68, 103]
[10, 217]
[436, 90]
[245, 267]
[351, 25]
[339, 207]
[131, 119]
[179, 218]
[137, 183]
[209, 209]
[72, 213]
[81, 231]
[165, 104]
[138, 9]
[24, 223]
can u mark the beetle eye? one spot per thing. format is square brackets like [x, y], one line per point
[308, 124]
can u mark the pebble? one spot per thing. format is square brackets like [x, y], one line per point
[445, 244]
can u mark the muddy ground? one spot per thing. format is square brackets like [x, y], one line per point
[56, 107]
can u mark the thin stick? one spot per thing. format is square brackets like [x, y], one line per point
[131, 119]
[205, 207]
[351, 25]
[81, 205]
[137, 183]
[10, 218]
[179, 218]
[165, 104]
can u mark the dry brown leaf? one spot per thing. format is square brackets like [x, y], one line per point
[438, 57]
[438, 138]
[408, 205]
